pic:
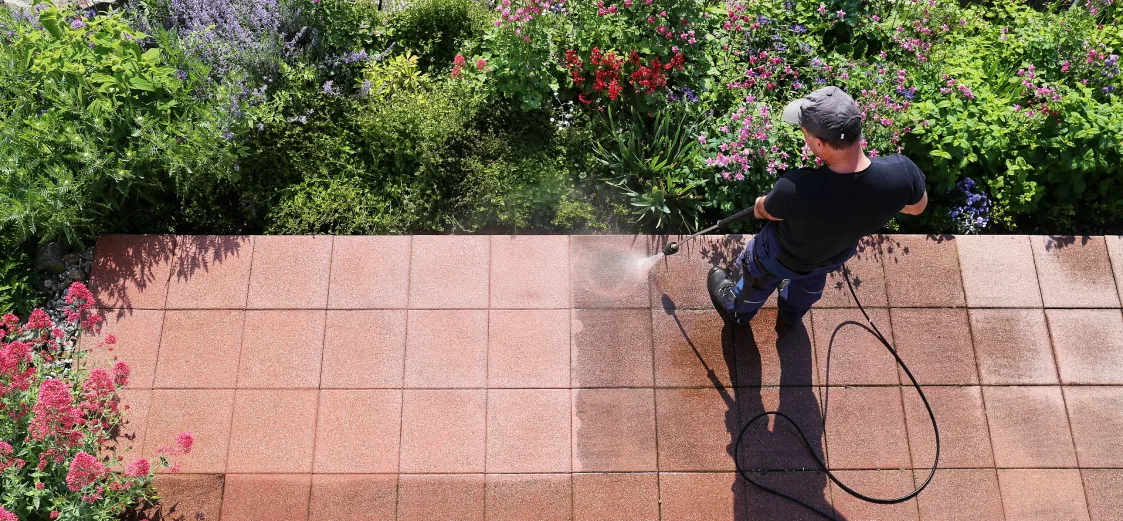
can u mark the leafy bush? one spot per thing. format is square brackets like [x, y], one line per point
[654, 162]
[93, 126]
[437, 29]
[58, 432]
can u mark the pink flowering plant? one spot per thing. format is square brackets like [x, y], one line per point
[60, 423]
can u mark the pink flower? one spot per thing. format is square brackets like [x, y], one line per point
[137, 469]
[54, 411]
[185, 440]
[121, 374]
[39, 320]
[459, 61]
[480, 64]
[84, 470]
[7, 516]
[702, 139]
[54, 514]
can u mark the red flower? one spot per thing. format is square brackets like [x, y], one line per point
[39, 320]
[121, 374]
[84, 470]
[459, 61]
[185, 440]
[137, 469]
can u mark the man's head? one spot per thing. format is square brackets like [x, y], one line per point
[830, 119]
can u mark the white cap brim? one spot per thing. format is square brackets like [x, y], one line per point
[794, 111]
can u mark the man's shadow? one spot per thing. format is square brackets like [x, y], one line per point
[771, 451]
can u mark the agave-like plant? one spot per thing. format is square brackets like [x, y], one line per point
[651, 161]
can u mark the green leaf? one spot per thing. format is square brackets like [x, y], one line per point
[151, 56]
[138, 83]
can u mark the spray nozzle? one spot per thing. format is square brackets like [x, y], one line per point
[670, 249]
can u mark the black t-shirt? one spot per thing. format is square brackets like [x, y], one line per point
[825, 213]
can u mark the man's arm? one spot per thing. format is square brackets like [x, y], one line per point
[918, 208]
[760, 212]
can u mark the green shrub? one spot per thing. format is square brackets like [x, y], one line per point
[94, 127]
[437, 29]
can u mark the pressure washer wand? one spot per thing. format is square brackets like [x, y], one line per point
[672, 247]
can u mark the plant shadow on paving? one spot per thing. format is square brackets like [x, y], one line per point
[132, 260]
[770, 445]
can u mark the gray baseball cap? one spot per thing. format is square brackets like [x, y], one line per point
[826, 113]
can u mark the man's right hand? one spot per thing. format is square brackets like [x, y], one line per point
[760, 212]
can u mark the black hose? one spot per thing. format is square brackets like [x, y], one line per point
[822, 465]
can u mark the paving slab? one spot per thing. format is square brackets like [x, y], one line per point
[922, 271]
[611, 348]
[866, 429]
[187, 496]
[1101, 487]
[1045, 494]
[1075, 272]
[1088, 344]
[1096, 415]
[137, 333]
[998, 271]
[1012, 347]
[703, 496]
[449, 272]
[1029, 427]
[875, 483]
[530, 272]
[211, 271]
[607, 271]
[599, 497]
[453, 420]
[520, 497]
[614, 430]
[364, 349]
[354, 497]
[205, 413]
[867, 274]
[960, 495]
[264, 497]
[369, 272]
[290, 272]
[273, 431]
[962, 419]
[132, 271]
[193, 357]
[434, 496]
[358, 431]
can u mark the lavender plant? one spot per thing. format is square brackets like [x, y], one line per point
[235, 36]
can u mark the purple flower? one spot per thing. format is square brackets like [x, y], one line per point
[77, 24]
[365, 90]
[181, 74]
[328, 88]
[799, 28]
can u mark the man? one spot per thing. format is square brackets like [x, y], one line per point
[817, 215]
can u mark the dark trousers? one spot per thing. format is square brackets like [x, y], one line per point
[763, 274]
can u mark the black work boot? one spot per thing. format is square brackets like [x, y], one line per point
[721, 292]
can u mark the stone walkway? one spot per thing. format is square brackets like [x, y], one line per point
[539, 378]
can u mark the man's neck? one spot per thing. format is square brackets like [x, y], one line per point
[848, 162]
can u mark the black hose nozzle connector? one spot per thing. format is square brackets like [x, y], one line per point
[670, 249]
